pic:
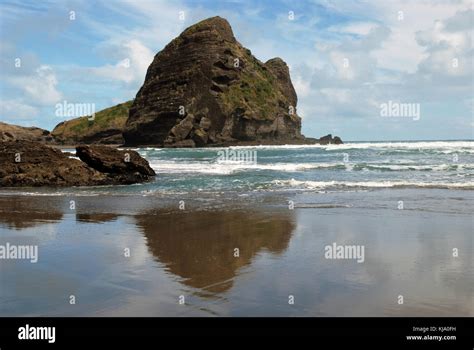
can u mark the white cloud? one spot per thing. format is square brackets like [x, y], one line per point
[387, 59]
[16, 111]
[449, 47]
[129, 69]
[159, 22]
[132, 50]
[359, 28]
[336, 95]
[302, 87]
[40, 86]
[401, 50]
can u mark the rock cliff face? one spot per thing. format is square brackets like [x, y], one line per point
[205, 89]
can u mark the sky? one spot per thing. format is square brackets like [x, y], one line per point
[348, 59]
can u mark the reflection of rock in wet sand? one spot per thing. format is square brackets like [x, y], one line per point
[20, 213]
[199, 246]
[96, 218]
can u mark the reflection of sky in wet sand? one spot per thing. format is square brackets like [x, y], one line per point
[190, 253]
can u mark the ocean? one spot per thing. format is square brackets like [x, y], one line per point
[244, 231]
[355, 166]
[348, 167]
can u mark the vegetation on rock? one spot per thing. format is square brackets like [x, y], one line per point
[105, 127]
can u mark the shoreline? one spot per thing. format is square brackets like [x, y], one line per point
[377, 199]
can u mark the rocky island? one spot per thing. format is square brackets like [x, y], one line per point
[205, 89]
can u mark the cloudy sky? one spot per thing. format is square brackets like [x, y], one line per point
[347, 58]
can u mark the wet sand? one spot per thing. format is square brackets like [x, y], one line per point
[191, 253]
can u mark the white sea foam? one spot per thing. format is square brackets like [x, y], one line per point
[319, 185]
[426, 145]
[405, 167]
[448, 145]
[348, 145]
[50, 194]
[227, 168]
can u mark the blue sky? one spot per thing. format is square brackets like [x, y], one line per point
[346, 58]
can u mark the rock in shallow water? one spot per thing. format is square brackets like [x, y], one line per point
[33, 164]
[125, 166]
[28, 163]
[329, 140]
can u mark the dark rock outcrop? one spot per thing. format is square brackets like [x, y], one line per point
[124, 166]
[27, 163]
[337, 140]
[32, 164]
[328, 139]
[10, 132]
[205, 89]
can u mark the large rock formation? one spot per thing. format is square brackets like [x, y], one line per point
[9, 132]
[28, 163]
[204, 88]
[105, 128]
